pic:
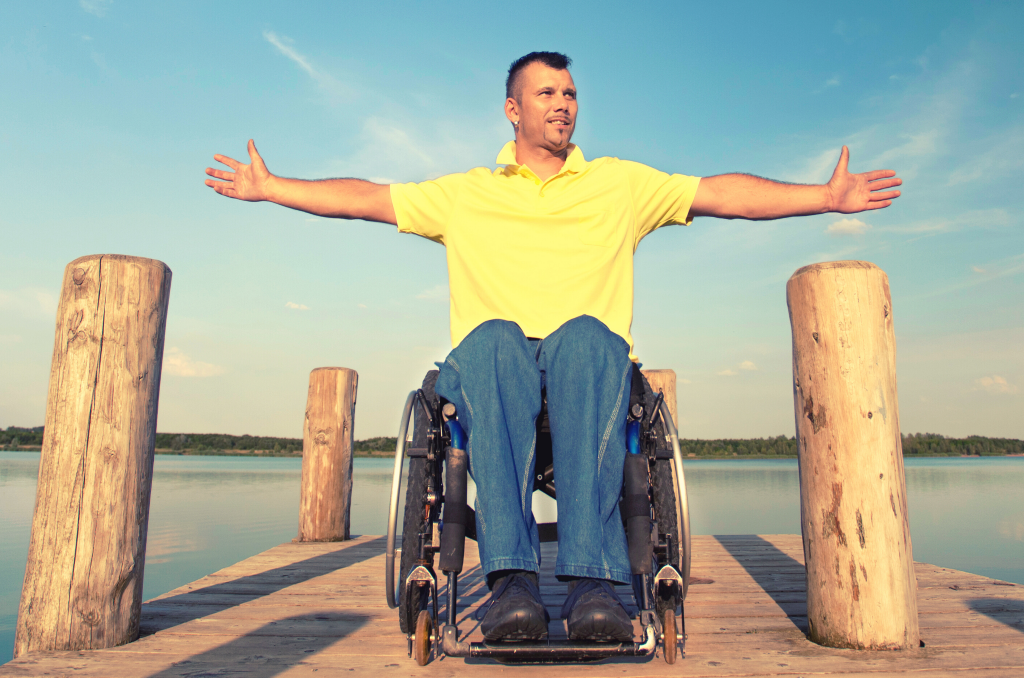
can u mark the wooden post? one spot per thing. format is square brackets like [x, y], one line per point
[861, 588]
[83, 579]
[664, 380]
[327, 455]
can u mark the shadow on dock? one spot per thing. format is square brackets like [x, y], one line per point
[781, 576]
[1002, 610]
[264, 652]
[164, 613]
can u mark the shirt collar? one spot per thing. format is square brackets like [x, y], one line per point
[575, 162]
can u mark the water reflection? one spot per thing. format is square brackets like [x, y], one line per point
[209, 512]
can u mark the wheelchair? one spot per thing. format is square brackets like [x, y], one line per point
[437, 521]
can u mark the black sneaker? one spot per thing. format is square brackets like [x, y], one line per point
[593, 612]
[515, 610]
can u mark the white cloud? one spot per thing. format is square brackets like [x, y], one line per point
[1002, 158]
[978, 269]
[436, 293]
[847, 227]
[361, 306]
[995, 384]
[297, 307]
[748, 365]
[728, 373]
[1015, 95]
[815, 170]
[96, 7]
[29, 301]
[283, 45]
[915, 146]
[833, 81]
[178, 364]
[990, 218]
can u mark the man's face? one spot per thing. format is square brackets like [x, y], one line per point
[547, 110]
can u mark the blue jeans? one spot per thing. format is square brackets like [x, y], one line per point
[494, 377]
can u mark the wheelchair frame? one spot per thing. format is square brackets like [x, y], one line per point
[660, 564]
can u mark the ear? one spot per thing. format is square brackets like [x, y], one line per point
[512, 110]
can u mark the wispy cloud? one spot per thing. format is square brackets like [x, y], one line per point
[832, 82]
[29, 301]
[995, 384]
[815, 170]
[325, 80]
[178, 364]
[748, 365]
[990, 218]
[297, 307]
[847, 227]
[96, 7]
[728, 373]
[436, 293]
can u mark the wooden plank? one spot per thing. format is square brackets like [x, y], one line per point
[287, 612]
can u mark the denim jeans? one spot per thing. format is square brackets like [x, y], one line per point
[494, 377]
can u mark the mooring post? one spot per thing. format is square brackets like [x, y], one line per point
[665, 381]
[861, 588]
[83, 579]
[327, 455]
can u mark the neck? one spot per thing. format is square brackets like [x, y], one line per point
[544, 162]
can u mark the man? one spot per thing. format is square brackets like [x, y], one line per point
[540, 272]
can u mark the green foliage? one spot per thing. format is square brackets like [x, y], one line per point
[16, 436]
[914, 445]
[381, 444]
[934, 445]
[780, 446]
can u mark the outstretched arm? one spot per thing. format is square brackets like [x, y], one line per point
[340, 198]
[742, 196]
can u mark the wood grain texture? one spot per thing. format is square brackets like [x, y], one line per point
[664, 380]
[861, 591]
[327, 436]
[83, 580]
[304, 609]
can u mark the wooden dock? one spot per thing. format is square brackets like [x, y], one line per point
[318, 609]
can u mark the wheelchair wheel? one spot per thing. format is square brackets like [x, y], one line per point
[412, 602]
[421, 641]
[670, 639]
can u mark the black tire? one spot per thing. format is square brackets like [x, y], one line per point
[415, 522]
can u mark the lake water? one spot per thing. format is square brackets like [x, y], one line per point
[210, 512]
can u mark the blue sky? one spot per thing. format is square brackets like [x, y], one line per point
[110, 111]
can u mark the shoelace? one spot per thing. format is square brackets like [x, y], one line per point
[520, 580]
[586, 586]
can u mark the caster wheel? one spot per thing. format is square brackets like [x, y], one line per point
[670, 643]
[421, 641]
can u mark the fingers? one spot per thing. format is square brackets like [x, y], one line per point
[844, 160]
[222, 187]
[878, 174]
[225, 160]
[220, 174]
[878, 205]
[878, 185]
[254, 155]
[888, 195]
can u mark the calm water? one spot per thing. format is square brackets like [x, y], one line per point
[210, 512]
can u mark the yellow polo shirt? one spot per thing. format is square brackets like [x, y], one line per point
[540, 253]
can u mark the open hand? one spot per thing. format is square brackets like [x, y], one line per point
[850, 193]
[245, 182]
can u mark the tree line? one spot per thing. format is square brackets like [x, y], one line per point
[914, 445]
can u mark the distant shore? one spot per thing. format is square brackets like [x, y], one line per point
[261, 454]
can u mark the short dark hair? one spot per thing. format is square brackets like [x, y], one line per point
[555, 60]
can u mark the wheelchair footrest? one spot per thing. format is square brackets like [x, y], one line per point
[545, 651]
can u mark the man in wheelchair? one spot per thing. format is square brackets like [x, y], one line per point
[540, 264]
